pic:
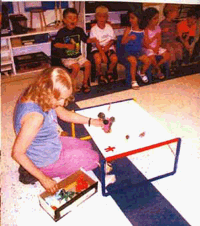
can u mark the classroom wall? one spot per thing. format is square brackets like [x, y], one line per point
[19, 7]
[158, 6]
[50, 14]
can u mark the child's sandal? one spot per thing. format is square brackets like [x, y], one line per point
[110, 77]
[102, 80]
[77, 90]
[160, 76]
[134, 85]
[86, 88]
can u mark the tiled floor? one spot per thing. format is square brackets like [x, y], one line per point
[174, 103]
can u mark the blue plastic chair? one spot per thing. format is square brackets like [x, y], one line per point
[120, 50]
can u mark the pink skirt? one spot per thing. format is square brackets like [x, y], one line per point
[75, 154]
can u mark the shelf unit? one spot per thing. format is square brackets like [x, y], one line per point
[11, 47]
[7, 63]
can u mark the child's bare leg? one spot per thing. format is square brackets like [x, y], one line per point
[97, 60]
[146, 63]
[156, 68]
[113, 62]
[133, 62]
[75, 70]
[165, 57]
[153, 60]
[157, 73]
[87, 72]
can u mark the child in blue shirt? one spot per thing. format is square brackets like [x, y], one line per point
[133, 40]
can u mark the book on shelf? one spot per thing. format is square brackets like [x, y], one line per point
[28, 42]
[5, 59]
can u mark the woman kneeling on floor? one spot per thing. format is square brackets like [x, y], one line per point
[38, 148]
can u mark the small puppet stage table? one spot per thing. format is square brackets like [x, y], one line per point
[133, 132]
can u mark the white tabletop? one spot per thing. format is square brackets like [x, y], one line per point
[130, 119]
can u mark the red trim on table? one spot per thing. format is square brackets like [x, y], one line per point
[111, 158]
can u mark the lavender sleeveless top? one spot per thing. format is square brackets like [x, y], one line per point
[46, 146]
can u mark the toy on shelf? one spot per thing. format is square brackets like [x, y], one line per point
[107, 122]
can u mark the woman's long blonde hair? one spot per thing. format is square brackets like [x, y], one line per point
[51, 83]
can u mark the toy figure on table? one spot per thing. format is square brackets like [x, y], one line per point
[107, 122]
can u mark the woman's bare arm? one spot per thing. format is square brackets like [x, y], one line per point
[69, 116]
[30, 125]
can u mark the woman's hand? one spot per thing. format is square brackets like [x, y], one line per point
[97, 122]
[49, 185]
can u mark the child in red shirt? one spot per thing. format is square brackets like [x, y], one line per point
[186, 33]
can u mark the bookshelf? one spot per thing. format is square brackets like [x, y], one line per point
[15, 45]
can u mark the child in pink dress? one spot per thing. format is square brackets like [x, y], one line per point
[152, 40]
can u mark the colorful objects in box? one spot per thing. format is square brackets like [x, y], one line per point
[66, 194]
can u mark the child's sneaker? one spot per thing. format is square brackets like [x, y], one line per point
[144, 78]
[110, 179]
[108, 167]
[159, 75]
[134, 85]
[77, 89]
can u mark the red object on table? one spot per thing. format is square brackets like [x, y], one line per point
[109, 149]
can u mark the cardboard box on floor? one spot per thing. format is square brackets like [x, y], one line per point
[75, 201]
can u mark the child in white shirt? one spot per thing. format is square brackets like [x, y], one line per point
[104, 49]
